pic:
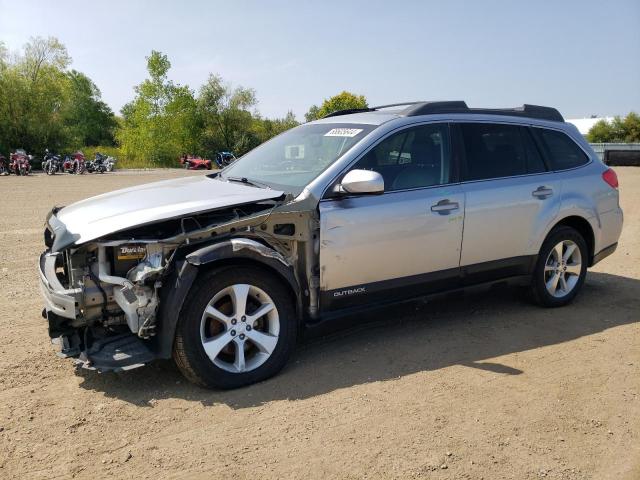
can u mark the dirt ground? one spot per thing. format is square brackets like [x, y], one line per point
[483, 387]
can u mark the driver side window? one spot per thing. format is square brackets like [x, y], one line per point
[412, 158]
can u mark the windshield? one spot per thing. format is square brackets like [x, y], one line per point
[291, 160]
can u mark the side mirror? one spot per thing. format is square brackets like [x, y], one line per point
[361, 182]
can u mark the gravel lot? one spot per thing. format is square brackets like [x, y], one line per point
[486, 386]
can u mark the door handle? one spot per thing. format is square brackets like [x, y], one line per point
[542, 192]
[443, 207]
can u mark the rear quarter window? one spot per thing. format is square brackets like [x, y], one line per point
[562, 152]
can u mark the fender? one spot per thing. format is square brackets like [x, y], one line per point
[180, 280]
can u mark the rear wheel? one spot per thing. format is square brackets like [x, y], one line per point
[238, 328]
[561, 268]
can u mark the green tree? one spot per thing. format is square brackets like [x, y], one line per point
[265, 128]
[88, 119]
[619, 130]
[343, 101]
[631, 126]
[226, 116]
[3, 55]
[32, 90]
[160, 123]
[600, 132]
[40, 53]
[312, 114]
[43, 105]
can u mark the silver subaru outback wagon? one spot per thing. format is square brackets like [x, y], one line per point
[223, 271]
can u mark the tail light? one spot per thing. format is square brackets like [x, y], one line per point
[610, 177]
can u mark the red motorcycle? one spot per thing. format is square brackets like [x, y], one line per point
[19, 163]
[74, 163]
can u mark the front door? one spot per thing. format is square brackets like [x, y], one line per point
[400, 244]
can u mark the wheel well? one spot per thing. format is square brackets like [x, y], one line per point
[235, 262]
[584, 228]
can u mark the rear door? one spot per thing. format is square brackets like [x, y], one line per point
[400, 244]
[509, 195]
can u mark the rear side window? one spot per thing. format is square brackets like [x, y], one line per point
[497, 150]
[562, 151]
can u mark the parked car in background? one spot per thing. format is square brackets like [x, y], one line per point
[361, 208]
[191, 162]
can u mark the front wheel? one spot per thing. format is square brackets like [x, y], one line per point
[238, 327]
[561, 268]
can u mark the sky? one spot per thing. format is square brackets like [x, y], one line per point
[582, 57]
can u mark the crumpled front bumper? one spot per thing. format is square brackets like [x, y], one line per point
[114, 352]
[61, 301]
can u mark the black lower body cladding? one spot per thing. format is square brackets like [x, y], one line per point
[180, 280]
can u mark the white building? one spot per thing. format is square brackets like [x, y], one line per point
[585, 124]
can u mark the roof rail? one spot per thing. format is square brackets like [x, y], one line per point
[367, 109]
[348, 111]
[526, 110]
[426, 108]
[458, 106]
[402, 104]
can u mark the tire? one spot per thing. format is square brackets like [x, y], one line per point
[555, 284]
[213, 293]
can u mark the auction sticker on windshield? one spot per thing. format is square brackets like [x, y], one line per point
[343, 132]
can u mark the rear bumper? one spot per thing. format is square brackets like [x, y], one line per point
[604, 253]
[610, 229]
[62, 302]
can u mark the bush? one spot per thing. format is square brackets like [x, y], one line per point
[122, 160]
[619, 130]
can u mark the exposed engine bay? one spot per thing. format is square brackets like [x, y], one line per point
[112, 302]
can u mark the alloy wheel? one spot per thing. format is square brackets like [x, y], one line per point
[239, 328]
[563, 268]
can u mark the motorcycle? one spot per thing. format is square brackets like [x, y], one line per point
[224, 159]
[110, 163]
[98, 164]
[3, 165]
[74, 163]
[19, 163]
[51, 163]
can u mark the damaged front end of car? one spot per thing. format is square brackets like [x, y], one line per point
[97, 296]
[113, 303]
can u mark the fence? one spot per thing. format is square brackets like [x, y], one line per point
[619, 154]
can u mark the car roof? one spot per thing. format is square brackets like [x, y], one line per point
[450, 109]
